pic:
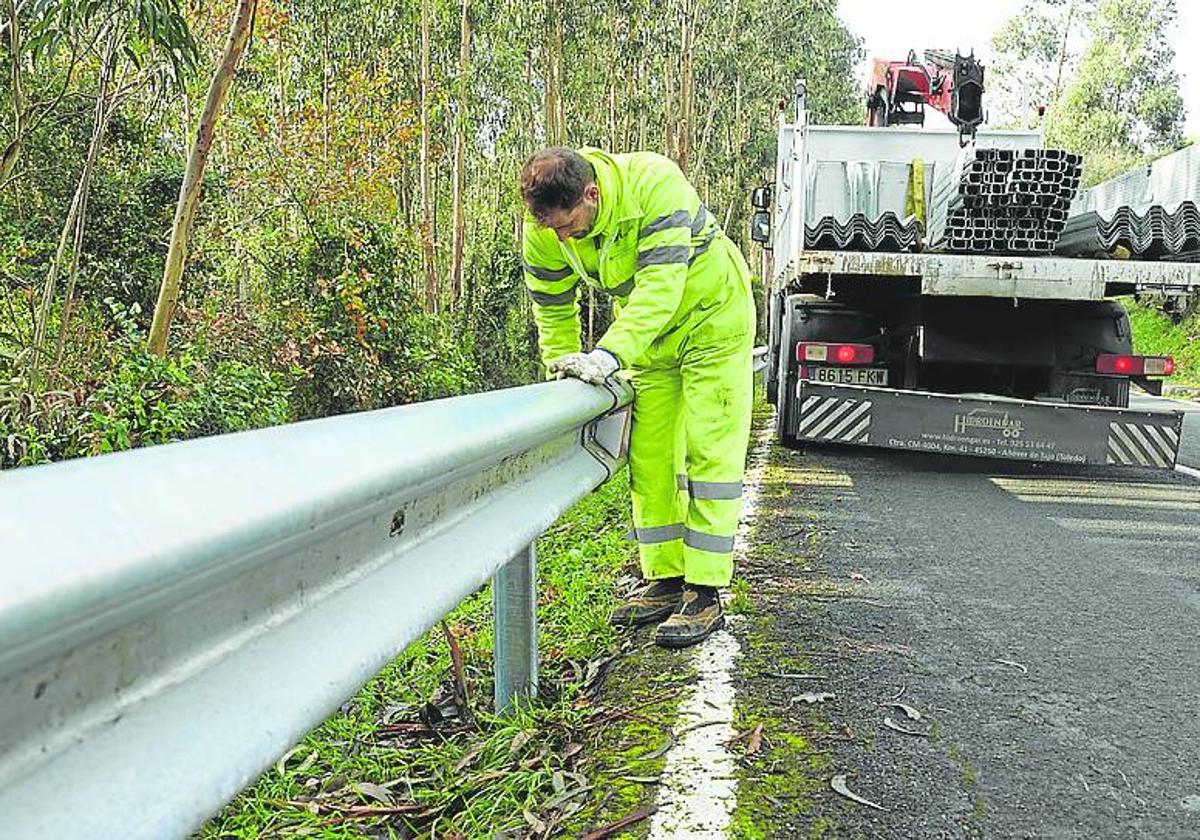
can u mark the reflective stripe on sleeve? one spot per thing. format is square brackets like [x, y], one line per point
[549, 299]
[548, 275]
[681, 482]
[703, 246]
[663, 255]
[680, 218]
[620, 291]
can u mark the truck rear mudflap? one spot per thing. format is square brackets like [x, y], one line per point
[985, 427]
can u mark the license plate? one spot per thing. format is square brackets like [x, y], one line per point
[849, 376]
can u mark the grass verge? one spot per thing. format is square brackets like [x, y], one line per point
[1155, 334]
[784, 761]
[410, 757]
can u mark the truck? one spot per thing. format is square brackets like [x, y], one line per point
[879, 337]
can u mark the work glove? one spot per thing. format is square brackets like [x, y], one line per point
[593, 367]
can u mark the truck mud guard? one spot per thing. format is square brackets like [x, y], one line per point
[982, 426]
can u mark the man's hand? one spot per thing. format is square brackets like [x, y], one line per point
[593, 367]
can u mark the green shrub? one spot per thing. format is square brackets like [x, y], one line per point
[140, 400]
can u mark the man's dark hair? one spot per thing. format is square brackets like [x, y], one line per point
[554, 179]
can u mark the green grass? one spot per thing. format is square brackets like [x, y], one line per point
[461, 778]
[1154, 334]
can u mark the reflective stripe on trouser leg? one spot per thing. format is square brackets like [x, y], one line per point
[718, 392]
[655, 461]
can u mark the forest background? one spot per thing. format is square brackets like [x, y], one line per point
[355, 245]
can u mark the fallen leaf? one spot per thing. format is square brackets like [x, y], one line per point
[519, 741]
[838, 783]
[537, 825]
[811, 698]
[1012, 664]
[469, 757]
[665, 748]
[373, 791]
[754, 742]
[891, 724]
[566, 796]
[784, 676]
[909, 711]
[572, 750]
[334, 783]
[281, 765]
[612, 828]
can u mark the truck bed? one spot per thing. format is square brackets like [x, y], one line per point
[983, 275]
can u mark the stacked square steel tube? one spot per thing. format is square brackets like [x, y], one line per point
[1155, 234]
[1005, 201]
[858, 233]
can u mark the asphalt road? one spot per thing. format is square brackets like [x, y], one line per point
[1189, 449]
[1044, 621]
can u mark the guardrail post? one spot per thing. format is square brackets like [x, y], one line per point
[514, 597]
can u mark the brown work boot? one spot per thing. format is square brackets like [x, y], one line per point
[653, 602]
[698, 616]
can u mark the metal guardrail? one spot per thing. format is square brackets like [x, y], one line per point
[173, 619]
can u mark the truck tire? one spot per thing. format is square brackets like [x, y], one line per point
[771, 373]
[783, 372]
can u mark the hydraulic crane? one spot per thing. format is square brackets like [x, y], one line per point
[898, 91]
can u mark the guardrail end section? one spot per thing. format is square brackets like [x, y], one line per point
[607, 437]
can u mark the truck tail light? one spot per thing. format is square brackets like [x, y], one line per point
[1121, 365]
[835, 354]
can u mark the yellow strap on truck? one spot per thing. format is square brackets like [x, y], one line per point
[914, 205]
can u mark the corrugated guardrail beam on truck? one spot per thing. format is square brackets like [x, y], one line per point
[173, 619]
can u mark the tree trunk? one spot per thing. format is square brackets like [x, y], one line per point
[193, 179]
[560, 111]
[73, 227]
[669, 135]
[104, 112]
[555, 113]
[458, 224]
[8, 160]
[325, 101]
[1062, 53]
[687, 64]
[429, 268]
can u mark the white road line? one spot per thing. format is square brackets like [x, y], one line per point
[1127, 527]
[698, 789]
[1148, 504]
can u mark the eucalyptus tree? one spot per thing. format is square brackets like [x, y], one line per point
[193, 177]
[1036, 52]
[1123, 104]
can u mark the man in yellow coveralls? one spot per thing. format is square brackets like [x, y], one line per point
[632, 226]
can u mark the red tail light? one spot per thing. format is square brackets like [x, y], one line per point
[1121, 365]
[835, 354]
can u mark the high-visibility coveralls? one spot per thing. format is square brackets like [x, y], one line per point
[684, 328]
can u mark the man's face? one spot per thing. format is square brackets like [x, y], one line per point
[577, 222]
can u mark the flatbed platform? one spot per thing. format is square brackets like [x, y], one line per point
[1014, 276]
